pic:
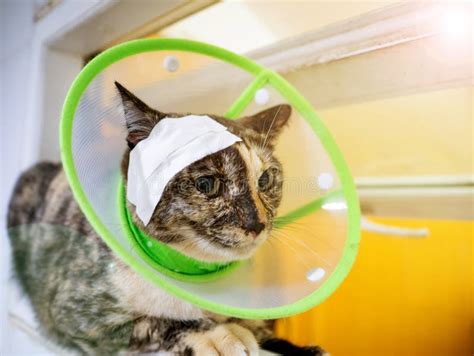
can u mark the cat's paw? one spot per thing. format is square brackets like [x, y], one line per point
[226, 339]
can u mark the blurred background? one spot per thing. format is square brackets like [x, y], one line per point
[393, 82]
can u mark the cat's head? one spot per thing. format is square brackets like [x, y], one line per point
[219, 208]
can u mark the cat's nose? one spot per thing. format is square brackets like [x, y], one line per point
[253, 227]
[248, 215]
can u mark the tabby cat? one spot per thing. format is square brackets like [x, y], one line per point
[88, 300]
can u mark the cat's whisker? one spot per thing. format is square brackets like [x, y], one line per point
[287, 244]
[307, 230]
[261, 143]
[271, 126]
[306, 247]
[306, 226]
[269, 240]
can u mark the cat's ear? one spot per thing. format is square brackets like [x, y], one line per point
[269, 122]
[139, 117]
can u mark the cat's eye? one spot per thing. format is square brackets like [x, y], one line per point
[266, 180]
[208, 185]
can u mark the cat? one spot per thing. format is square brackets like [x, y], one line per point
[85, 298]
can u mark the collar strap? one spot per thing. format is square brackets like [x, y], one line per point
[168, 257]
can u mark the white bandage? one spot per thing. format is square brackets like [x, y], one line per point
[172, 145]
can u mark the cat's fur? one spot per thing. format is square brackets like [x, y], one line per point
[87, 299]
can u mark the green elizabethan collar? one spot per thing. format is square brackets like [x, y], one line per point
[76, 162]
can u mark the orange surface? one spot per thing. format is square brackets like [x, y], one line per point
[404, 296]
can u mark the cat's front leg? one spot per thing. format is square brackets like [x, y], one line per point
[263, 330]
[224, 339]
[194, 337]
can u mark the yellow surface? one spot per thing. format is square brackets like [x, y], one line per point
[427, 133]
[403, 297]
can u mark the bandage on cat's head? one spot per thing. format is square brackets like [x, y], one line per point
[315, 234]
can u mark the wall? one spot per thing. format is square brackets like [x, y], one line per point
[427, 133]
[16, 17]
